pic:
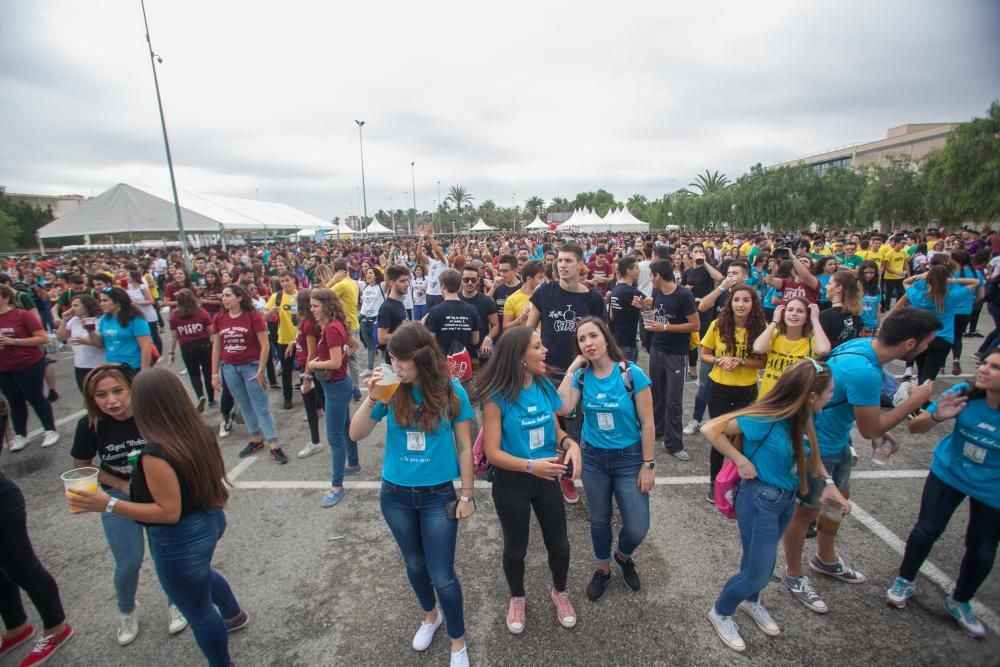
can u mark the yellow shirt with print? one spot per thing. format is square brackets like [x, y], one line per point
[348, 293]
[784, 353]
[515, 303]
[745, 248]
[287, 331]
[871, 256]
[742, 376]
[895, 263]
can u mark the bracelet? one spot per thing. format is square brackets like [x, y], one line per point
[216, 375]
[528, 469]
[372, 402]
[467, 499]
[934, 417]
[561, 441]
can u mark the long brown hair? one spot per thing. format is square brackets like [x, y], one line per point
[807, 327]
[850, 291]
[412, 341]
[333, 309]
[94, 377]
[937, 282]
[754, 325]
[176, 426]
[789, 400]
[187, 303]
[614, 352]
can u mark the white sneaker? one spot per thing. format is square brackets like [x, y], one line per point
[177, 621]
[425, 633]
[51, 438]
[692, 427]
[728, 631]
[460, 658]
[225, 427]
[760, 616]
[128, 628]
[310, 449]
[18, 443]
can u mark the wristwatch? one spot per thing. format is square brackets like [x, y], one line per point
[649, 464]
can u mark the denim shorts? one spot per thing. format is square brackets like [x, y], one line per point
[839, 466]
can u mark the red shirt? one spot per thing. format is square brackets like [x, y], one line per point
[19, 323]
[334, 336]
[306, 328]
[190, 329]
[171, 290]
[599, 274]
[790, 288]
[239, 336]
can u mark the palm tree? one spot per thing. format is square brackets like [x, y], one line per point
[560, 205]
[458, 195]
[535, 205]
[710, 182]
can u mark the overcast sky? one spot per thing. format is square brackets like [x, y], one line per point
[534, 98]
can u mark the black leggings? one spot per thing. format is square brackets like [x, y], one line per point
[515, 494]
[22, 387]
[314, 401]
[20, 567]
[722, 399]
[80, 374]
[197, 356]
[931, 361]
[287, 366]
[961, 324]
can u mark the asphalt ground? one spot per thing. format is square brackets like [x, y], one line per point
[328, 587]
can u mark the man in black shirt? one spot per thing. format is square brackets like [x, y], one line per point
[624, 314]
[700, 280]
[506, 285]
[453, 320]
[486, 309]
[392, 313]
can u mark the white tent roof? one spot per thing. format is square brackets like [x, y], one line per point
[480, 226]
[615, 221]
[126, 208]
[377, 227]
[537, 224]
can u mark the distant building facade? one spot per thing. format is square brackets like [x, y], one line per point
[59, 205]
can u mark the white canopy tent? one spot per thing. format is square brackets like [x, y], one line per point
[537, 225]
[620, 220]
[377, 227]
[481, 226]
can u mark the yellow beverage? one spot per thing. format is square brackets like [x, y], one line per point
[827, 526]
[384, 389]
[80, 479]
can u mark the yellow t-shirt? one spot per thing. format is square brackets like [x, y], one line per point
[783, 354]
[895, 263]
[872, 256]
[745, 248]
[348, 293]
[289, 306]
[742, 376]
[515, 303]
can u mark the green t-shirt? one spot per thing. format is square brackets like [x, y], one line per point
[852, 262]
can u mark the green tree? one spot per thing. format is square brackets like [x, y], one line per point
[560, 205]
[28, 218]
[892, 195]
[460, 197]
[10, 231]
[535, 206]
[600, 201]
[709, 182]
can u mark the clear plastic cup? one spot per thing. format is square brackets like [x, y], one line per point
[80, 479]
[384, 389]
[648, 315]
[830, 517]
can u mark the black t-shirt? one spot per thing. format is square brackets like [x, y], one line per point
[111, 441]
[453, 321]
[839, 326]
[561, 311]
[673, 308]
[698, 281]
[139, 490]
[500, 295]
[485, 306]
[712, 313]
[624, 316]
[391, 314]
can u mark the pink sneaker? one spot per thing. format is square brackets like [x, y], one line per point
[515, 616]
[46, 646]
[564, 608]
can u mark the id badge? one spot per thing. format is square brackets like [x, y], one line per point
[415, 441]
[605, 421]
[974, 452]
[536, 438]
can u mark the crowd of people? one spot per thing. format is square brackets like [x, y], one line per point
[516, 359]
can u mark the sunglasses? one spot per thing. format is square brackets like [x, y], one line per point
[470, 280]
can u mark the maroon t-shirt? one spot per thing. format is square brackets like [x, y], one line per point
[599, 274]
[790, 288]
[190, 329]
[19, 323]
[306, 328]
[334, 336]
[239, 336]
[171, 290]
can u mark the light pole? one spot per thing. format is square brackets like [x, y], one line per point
[405, 197]
[153, 58]
[364, 195]
[413, 189]
[392, 215]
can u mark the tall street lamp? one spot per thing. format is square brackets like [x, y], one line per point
[364, 195]
[413, 189]
[153, 58]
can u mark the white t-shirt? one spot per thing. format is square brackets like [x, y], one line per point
[371, 299]
[645, 283]
[148, 312]
[419, 288]
[84, 356]
[434, 269]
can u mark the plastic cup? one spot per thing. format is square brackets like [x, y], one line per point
[830, 517]
[648, 315]
[90, 323]
[384, 389]
[881, 451]
[80, 479]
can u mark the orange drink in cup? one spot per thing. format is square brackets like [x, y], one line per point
[80, 479]
[384, 389]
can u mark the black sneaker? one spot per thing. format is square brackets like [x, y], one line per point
[598, 584]
[278, 456]
[251, 448]
[629, 574]
[53, 396]
[811, 530]
[288, 405]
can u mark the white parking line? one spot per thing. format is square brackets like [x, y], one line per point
[985, 614]
[240, 467]
[59, 422]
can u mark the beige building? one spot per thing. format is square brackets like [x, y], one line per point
[59, 205]
[914, 140]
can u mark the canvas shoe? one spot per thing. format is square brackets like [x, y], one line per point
[46, 647]
[18, 443]
[515, 615]
[836, 570]
[177, 621]
[310, 449]
[759, 614]
[128, 628]
[11, 643]
[425, 633]
[565, 613]
[727, 630]
[803, 591]
[51, 438]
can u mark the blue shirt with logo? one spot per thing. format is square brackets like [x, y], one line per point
[869, 313]
[415, 458]
[966, 298]
[857, 382]
[609, 417]
[768, 445]
[919, 296]
[968, 458]
[120, 344]
[528, 426]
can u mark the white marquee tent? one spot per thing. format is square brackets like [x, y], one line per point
[480, 226]
[621, 220]
[537, 225]
[376, 227]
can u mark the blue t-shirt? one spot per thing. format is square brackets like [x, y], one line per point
[120, 344]
[528, 426]
[609, 417]
[415, 458]
[966, 297]
[920, 297]
[857, 382]
[968, 458]
[769, 297]
[824, 280]
[768, 445]
[869, 314]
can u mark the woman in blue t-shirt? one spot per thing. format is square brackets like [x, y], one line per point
[123, 331]
[428, 444]
[871, 298]
[774, 462]
[619, 446]
[527, 447]
[966, 301]
[966, 463]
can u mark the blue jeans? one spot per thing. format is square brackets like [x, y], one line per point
[419, 310]
[426, 538]
[615, 472]
[338, 420]
[182, 553]
[128, 548]
[253, 401]
[701, 398]
[631, 352]
[762, 514]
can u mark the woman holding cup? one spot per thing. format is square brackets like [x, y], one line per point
[75, 326]
[428, 444]
[109, 433]
[774, 462]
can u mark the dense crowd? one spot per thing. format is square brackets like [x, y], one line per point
[514, 359]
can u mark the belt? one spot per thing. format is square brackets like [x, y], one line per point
[418, 489]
